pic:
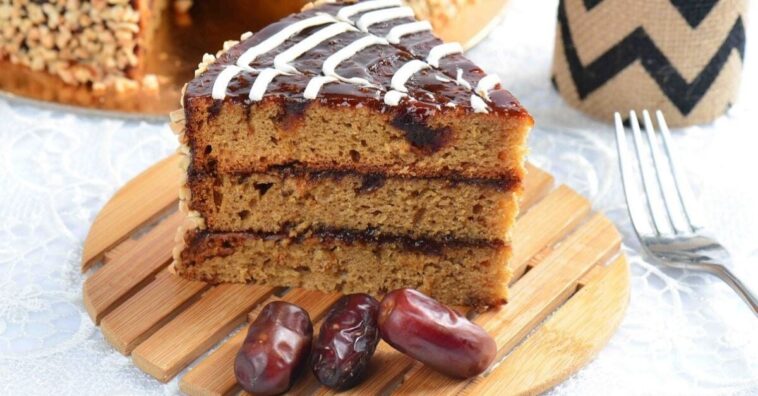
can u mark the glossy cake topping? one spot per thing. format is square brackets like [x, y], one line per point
[368, 52]
[397, 32]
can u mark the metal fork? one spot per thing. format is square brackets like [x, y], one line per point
[662, 214]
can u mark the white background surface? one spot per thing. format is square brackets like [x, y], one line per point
[684, 333]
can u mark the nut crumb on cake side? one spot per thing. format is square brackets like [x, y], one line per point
[95, 42]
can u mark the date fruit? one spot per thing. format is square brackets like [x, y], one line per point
[432, 333]
[346, 342]
[275, 349]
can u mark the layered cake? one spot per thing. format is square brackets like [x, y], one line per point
[346, 148]
[103, 42]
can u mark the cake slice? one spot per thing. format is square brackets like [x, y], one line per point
[346, 148]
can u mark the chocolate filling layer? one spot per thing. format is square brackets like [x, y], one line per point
[221, 244]
[371, 180]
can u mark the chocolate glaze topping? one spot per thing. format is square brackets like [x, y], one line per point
[429, 91]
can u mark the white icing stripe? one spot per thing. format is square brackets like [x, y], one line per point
[315, 84]
[405, 29]
[222, 81]
[478, 104]
[346, 12]
[405, 72]
[281, 36]
[331, 63]
[392, 98]
[386, 10]
[281, 61]
[461, 81]
[388, 14]
[486, 84]
[261, 83]
[440, 51]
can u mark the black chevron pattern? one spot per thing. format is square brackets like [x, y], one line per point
[694, 11]
[639, 46]
[590, 4]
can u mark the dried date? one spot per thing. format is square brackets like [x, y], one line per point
[434, 334]
[275, 349]
[346, 342]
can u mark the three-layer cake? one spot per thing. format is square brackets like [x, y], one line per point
[346, 148]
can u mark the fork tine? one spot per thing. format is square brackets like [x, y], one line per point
[682, 187]
[660, 221]
[663, 176]
[636, 213]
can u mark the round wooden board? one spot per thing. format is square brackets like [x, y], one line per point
[568, 296]
[180, 43]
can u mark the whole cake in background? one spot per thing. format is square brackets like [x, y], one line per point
[346, 148]
[103, 42]
[98, 41]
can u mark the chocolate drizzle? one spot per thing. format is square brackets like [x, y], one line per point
[434, 89]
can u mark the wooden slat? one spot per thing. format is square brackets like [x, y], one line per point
[197, 329]
[536, 186]
[315, 302]
[125, 273]
[591, 275]
[567, 341]
[546, 223]
[136, 203]
[561, 210]
[118, 250]
[533, 297]
[142, 314]
[215, 374]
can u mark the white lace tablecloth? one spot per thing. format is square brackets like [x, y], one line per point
[684, 333]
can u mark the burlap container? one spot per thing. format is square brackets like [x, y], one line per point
[681, 56]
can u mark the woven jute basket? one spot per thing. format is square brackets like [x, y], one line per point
[680, 56]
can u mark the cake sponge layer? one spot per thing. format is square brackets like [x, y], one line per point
[292, 199]
[236, 136]
[460, 273]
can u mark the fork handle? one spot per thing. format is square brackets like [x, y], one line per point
[736, 284]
